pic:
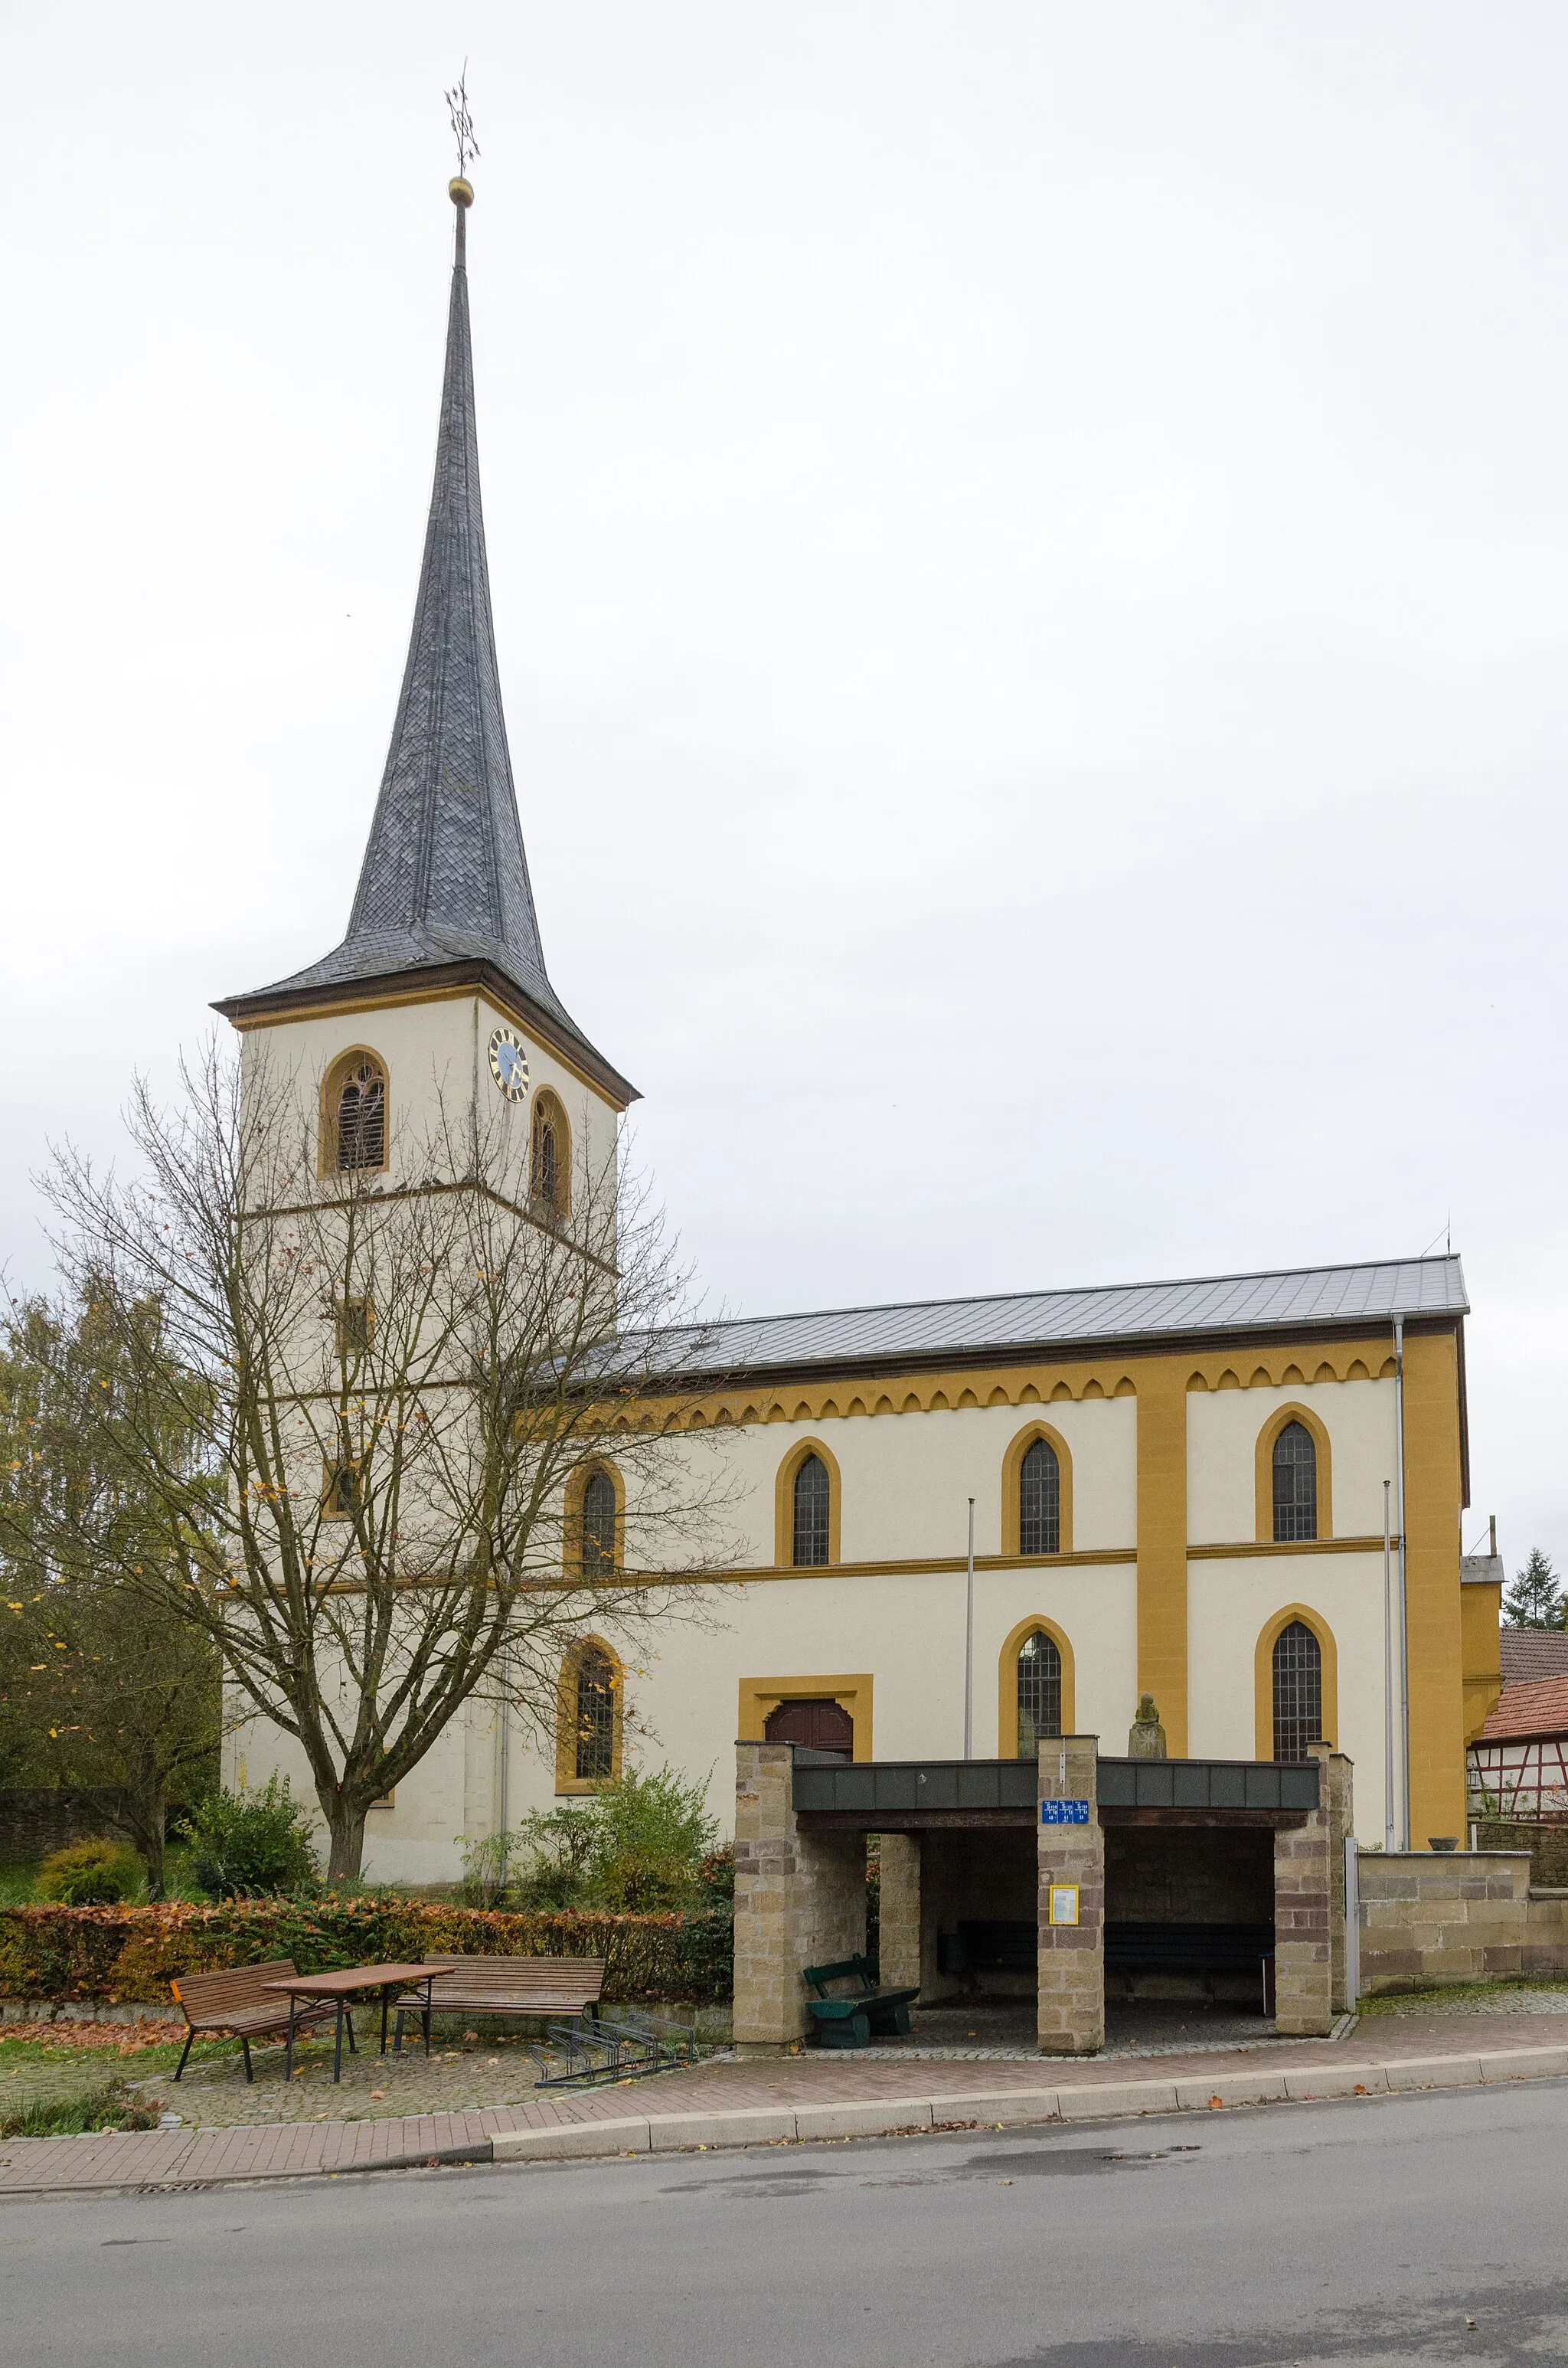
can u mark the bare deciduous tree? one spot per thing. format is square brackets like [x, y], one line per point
[401, 1392]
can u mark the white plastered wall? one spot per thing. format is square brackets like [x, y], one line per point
[906, 1478]
[1222, 1427]
[436, 1059]
[1229, 1603]
[905, 1630]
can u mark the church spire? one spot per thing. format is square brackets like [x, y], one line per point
[445, 879]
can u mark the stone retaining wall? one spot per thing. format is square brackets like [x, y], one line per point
[1468, 1916]
[35, 1822]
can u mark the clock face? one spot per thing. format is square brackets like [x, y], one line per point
[508, 1064]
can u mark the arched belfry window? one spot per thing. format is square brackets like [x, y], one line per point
[549, 1169]
[1295, 1485]
[600, 1512]
[1040, 1502]
[595, 1756]
[812, 1507]
[1298, 1690]
[1040, 1691]
[355, 1114]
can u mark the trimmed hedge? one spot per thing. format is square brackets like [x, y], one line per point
[129, 1956]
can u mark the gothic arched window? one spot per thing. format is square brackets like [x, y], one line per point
[1039, 1691]
[1039, 1500]
[600, 1511]
[813, 1494]
[1298, 1691]
[1295, 1485]
[358, 1108]
[595, 1757]
[549, 1174]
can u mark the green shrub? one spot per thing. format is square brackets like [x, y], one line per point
[246, 1844]
[645, 1843]
[90, 1874]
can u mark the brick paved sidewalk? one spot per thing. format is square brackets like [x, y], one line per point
[191, 2157]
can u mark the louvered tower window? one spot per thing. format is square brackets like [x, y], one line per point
[1040, 1691]
[1295, 1485]
[1039, 1500]
[1298, 1691]
[362, 1118]
[810, 1513]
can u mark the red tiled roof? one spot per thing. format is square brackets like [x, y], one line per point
[1524, 1710]
[1531, 1653]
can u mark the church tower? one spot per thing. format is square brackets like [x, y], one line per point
[437, 1000]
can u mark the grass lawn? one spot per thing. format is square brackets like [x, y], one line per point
[1445, 1994]
[57, 2079]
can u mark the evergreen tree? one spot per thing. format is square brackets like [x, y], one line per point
[105, 1694]
[1535, 1600]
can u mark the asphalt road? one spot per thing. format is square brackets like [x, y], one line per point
[1374, 2231]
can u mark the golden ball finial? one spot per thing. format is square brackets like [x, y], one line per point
[461, 191]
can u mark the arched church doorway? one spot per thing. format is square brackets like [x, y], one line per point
[822, 1726]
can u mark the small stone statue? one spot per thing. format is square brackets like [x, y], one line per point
[1147, 1738]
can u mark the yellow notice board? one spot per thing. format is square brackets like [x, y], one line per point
[1064, 1903]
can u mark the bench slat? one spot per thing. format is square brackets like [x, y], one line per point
[528, 1986]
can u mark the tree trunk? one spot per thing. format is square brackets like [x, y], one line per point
[152, 1860]
[346, 1829]
[144, 1817]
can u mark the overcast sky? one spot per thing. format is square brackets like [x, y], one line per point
[1027, 549]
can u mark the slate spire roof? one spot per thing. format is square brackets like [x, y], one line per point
[444, 879]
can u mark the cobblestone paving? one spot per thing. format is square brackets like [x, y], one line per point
[1487, 2002]
[43, 2083]
[464, 2078]
[997, 2033]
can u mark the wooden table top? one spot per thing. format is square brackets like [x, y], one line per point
[355, 1977]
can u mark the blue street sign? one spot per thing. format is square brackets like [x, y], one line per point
[1064, 1813]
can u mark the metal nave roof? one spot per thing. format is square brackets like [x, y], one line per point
[1300, 1297]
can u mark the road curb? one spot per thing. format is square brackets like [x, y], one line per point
[1103, 2101]
[755, 2125]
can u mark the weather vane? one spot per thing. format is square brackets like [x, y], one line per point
[463, 123]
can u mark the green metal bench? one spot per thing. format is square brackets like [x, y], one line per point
[863, 2013]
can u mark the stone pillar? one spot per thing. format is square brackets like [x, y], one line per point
[898, 1947]
[1303, 1918]
[800, 1900]
[1072, 1956]
[1335, 1778]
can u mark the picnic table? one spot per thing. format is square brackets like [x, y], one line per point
[339, 1987]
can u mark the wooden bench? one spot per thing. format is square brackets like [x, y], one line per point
[1204, 1949]
[535, 1985]
[850, 2020]
[238, 2000]
[989, 1945]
